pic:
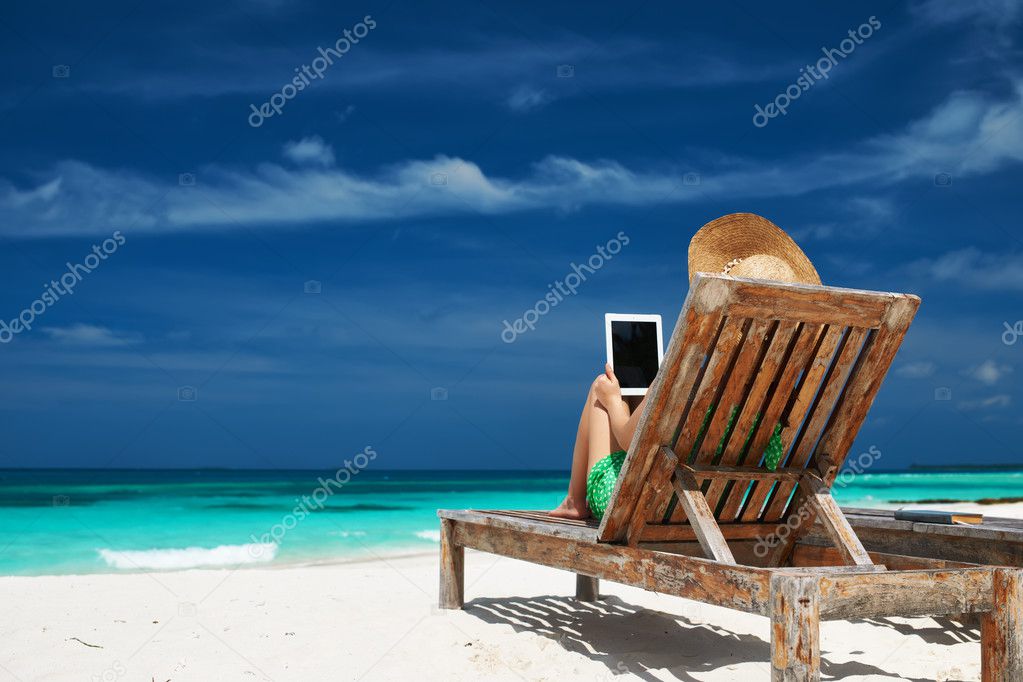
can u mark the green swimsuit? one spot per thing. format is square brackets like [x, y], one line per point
[601, 481]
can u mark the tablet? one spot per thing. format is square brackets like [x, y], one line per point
[635, 349]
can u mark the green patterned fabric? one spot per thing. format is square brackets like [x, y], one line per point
[772, 453]
[601, 481]
[774, 450]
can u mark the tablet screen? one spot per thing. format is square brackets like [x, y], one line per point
[635, 349]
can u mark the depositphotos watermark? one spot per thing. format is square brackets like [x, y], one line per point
[309, 72]
[857, 466]
[559, 289]
[65, 286]
[314, 501]
[809, 76]
[1012, 333]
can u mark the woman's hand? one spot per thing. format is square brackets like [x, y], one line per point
[607, 390]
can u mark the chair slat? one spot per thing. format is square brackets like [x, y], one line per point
[803, 355]
[804, 303]
[704, 524]
[814, 426]
[738, 384]
[718, 368]
[767, 374]
[854, 403]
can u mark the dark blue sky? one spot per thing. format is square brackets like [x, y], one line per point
[439, 175]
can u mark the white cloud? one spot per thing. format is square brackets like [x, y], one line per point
[999, 12]
[344, 114]
[989, 372]
[970, 132]
[482, 65]
[860, 217]
[309, 150]
[915, 370]
[526, 98]
[89, 335]
[991, 26]
[975, 269]
[994, 402]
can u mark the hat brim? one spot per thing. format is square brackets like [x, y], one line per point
[741, 236]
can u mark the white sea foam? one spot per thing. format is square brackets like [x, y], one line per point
[189, 557]
[432, 535]
[348, 533]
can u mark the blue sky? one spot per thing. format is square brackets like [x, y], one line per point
[445, 169]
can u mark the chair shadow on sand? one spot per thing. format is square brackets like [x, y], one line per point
[947, 631]
[628, 639]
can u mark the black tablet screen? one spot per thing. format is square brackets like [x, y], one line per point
[634, 347]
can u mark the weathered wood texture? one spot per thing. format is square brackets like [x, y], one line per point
[684, 532]
[795, 598]
[822, 504]
[852, 405]
[656, 489]
[818, 412]
[847, 592]
[716, 371]
[733, 473]
[701, 518]
[726, 497]
[587, 588]
[682, 366]
[746, 356]
[997, 542]
[795, 628]
[1001, 630]
[452, 568]
[811, 346]
[820, 557]
[906, 593]
[743, 588]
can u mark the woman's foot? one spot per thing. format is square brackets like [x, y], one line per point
[569, 509]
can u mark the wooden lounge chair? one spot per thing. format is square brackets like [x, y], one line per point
[707, 522]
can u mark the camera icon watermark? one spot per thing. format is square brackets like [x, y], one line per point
[116, 671]
[61, 71]
[312, 287]
[438, 393]
[186, 179]
[439, 179]
[942, 180]
[565, 71]
[943, 393]
[1012, 333]
[61, 501]
[187, 394]
[187, 609]
[691, 179]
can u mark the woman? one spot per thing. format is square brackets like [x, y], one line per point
[606, 426]
[741, 245]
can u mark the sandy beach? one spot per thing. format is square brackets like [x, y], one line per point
[377, 620]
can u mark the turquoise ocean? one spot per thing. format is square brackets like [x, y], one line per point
[109, 521]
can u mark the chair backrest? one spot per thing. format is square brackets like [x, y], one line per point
[747, 356]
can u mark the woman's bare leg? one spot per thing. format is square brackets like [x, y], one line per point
[593, 441]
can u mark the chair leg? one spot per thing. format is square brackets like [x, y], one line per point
[452, 568]
[1001, 630]
[587, 588]
[795, 628]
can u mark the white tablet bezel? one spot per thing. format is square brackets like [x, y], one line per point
[611, 317]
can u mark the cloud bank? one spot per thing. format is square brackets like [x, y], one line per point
[968, 134]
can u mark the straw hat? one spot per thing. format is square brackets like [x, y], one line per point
[747, 245]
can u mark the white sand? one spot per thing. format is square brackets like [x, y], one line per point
[1011, 510]
[378, 621]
